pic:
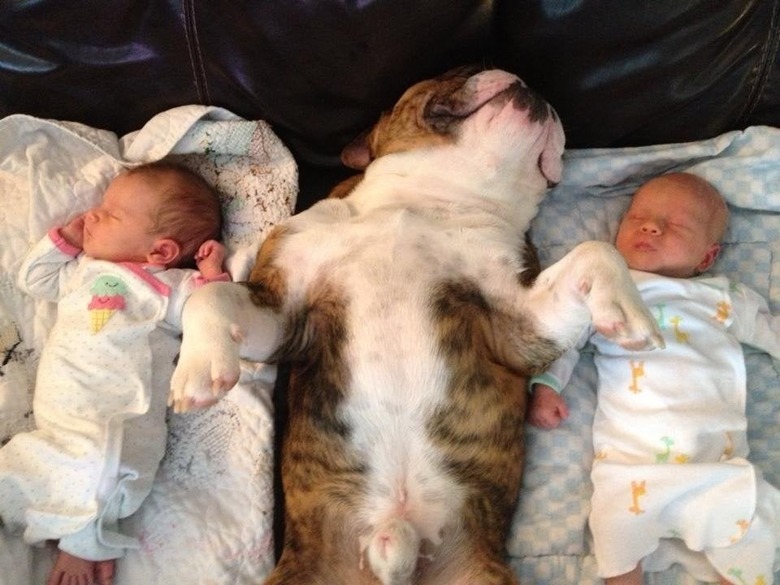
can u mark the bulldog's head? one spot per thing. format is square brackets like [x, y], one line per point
[491, 114]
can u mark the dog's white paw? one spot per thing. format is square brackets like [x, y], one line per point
[616, 307]
[206, 370]
[629, 325]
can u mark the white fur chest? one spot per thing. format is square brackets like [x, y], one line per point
[389, 268]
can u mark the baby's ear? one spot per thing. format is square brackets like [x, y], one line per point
[164, 252]
[709, 258]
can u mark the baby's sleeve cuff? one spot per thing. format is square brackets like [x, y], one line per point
[547, 379]
[224, 277]
[62, 244]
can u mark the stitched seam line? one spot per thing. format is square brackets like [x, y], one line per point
[764, 66]
[193, 48]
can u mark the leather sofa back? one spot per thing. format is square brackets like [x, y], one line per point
[619, 74]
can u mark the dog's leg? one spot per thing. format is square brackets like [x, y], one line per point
[592, 284]
[221, 325]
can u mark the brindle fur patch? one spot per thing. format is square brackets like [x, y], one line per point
[267, 282]
[322, 479]
[425, 117]
[319, 475]
[531, 263]
[345, 187]
[480, 428]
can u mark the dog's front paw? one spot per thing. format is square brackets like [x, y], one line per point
[616, 307]
[620, 314]
[206, 370]
[628, 325]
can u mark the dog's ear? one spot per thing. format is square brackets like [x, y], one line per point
[550, 161]
[357, 154]
[551, 166]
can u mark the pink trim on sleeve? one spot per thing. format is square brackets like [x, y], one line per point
[62, 244]
[155, 283]
[200, 280]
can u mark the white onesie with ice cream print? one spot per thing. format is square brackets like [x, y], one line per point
[100, 399]
[671, 479]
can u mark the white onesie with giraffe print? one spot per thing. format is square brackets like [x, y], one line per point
[671, 480]
[99, 402]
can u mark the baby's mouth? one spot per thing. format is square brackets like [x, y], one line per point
[643, 246]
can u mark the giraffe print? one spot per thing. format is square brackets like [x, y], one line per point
[680, 335]
[739, 575]
[638, 490]
[723, 311]
[660, 317]
[743, 526]
[665, 456]
[637, 371]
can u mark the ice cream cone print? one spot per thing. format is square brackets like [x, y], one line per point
[108, 297]
[98, 318]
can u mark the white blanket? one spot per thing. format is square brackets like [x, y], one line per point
[208, 518]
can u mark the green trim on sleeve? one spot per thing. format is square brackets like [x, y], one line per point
[547, 379]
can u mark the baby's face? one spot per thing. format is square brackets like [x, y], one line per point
[668, 231]
[120, 228]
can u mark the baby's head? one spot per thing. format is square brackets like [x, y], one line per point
[673, 226]
[158, 213]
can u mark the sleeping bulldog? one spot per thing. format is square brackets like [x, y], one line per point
[411, 315]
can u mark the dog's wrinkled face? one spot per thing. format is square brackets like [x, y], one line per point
[493, 109]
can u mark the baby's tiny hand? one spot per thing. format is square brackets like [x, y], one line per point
[210, 249]
[210, 257]
[547, 409]
[73, 231]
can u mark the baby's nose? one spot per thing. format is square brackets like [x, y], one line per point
[651, 227]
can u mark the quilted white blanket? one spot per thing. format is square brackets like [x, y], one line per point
[208, 518]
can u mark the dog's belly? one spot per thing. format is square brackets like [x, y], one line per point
[404, 477]
[398, 382]
[399, 378]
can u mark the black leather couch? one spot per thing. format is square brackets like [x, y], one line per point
[320, 71]
[619, 73]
